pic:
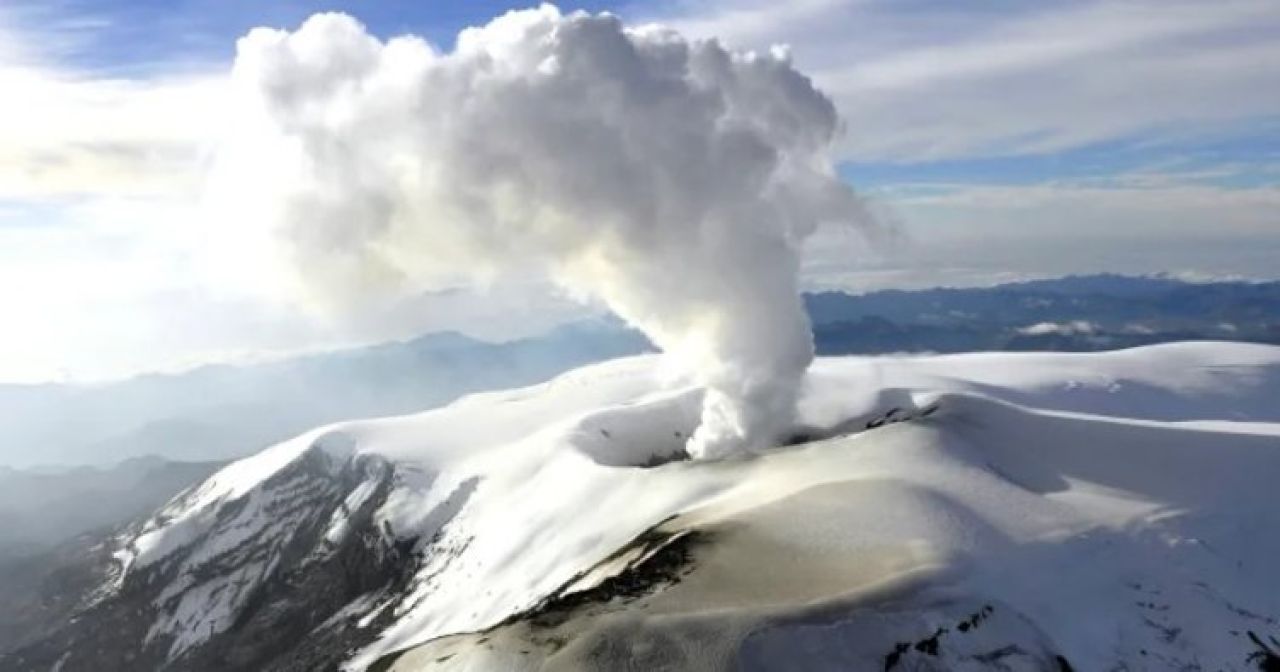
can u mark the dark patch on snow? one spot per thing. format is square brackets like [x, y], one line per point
[894, 415]
[891, 659]
[1168, 633]
[897, 414]
[975, 619]
[614, 455]
[994, 657]
[664, 557]
[384, 663]
[678, 455]
[1266, 658]
[931, 645]
[799, 438]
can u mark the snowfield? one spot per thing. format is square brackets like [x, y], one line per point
[983, 511]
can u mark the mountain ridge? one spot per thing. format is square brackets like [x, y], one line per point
[224, 411]
[935, 492]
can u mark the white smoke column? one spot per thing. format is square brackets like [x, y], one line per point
[673, 180]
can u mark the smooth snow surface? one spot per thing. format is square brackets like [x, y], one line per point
[1122, 502]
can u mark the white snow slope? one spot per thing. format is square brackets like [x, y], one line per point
[1123, 502]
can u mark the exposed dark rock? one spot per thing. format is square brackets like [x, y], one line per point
[1266, 657]
[663, 557]
[289, 621]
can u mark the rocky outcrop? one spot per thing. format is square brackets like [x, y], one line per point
[276, 599]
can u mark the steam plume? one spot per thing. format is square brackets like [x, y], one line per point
[673, 180]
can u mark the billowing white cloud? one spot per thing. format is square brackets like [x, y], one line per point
[674, 181]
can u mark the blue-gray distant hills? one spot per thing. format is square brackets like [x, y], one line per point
[224, 411]
[1077, 313]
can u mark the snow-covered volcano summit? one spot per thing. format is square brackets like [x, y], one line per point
[985, 511]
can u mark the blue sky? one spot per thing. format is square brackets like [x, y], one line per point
[1248, 156]
[151, 36]
[1009, 139]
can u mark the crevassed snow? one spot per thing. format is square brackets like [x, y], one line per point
[1035, 467]
[233, 527]
[339, 523]
[189, 517]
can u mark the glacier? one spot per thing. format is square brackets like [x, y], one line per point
[977, 511]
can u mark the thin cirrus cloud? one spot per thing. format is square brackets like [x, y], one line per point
[1042, 138]
[68, 131]
[922, 82]
[915, 83]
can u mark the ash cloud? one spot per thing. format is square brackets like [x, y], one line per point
[673, 180]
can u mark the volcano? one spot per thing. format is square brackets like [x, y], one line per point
[988, 511]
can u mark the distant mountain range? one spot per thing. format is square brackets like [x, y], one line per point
[54, 520]
[224, 411]
[1077, 313]
[40, 508]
